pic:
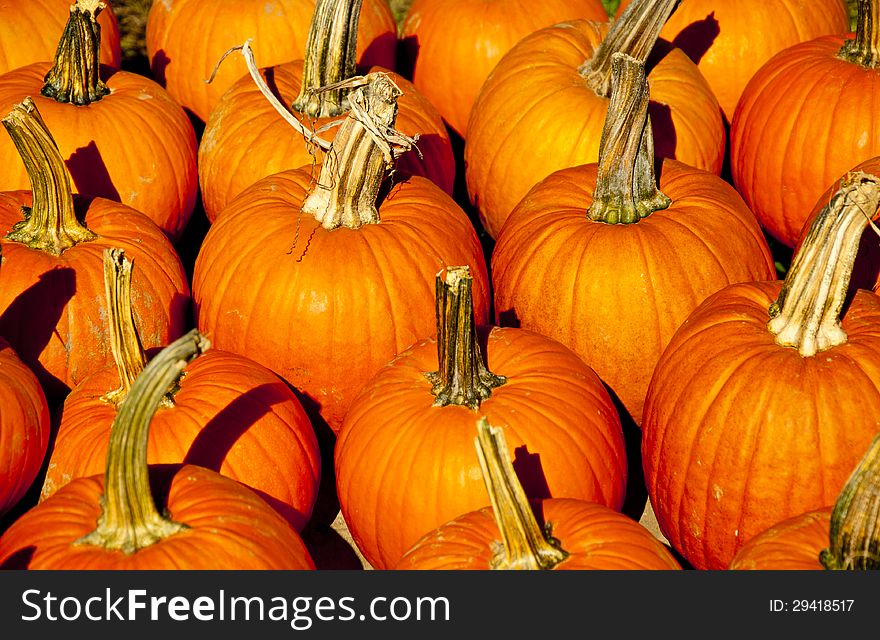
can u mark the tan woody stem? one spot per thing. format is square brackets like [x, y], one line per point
[864, 49]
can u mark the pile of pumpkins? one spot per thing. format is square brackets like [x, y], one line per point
[621, 176]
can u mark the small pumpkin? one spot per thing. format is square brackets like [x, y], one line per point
[762, 402]
[121, 135]
[51, 283]
[804, 118]
[543, 106]
[608, 261]
[452, 45]
[324, 281]
[179, 517]
[409, 434]
[228, 414]
[571, 535]
[24, 427]
[246, 139]
[845, 536]
[186, 38]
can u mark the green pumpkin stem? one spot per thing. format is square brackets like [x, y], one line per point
[855, 520]
[524, 546]
[864, 49]
[364, 150]
[75, 76]
[50, 222]
[634, 33]
[806, 315]
[626, 188]
[330, 58]
[129, 518]
[462, 378]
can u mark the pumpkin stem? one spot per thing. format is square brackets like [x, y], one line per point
[806, 315]
[864, 49]
[462, 378]
[129, 519]
[50, 222]
[363, 151]
[75, 76]
[633, 33]
[524, 545]
[855, 520]
[626, 188]
[330, 58]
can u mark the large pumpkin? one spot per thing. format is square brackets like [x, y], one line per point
[807, 115]
[605, 261]
[52, 283]
[201, 520]
[324, 281]
[409, 435]
[766, 396]
[246, 139]
[729, 40]
[121, 135]
[187, 38]
[29, 32]
[24, 427]
[542, 107]
[450, 46]
[571, 534]
[228, 414]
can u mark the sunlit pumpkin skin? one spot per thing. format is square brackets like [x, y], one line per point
[51, 308]
[186, 38]
[219, 511]
[793, 545]
[134, 146]
[740, 433]
[730, 40]
[536, 115]
[804, 119]
[245, 139]
[596, 537]
[326, 309]
[615, 294]
[29, 32]
[24, 427]
[230, 415]
[395, 447]
[452, 45]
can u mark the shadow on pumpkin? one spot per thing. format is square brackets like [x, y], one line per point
[89, 173]
[696, 38]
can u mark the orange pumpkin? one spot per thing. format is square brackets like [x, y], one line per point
[187, 38]
[538, 111]
[212, 522]
[729, 40]
[29, 32]
[571, 534]
[121, 135]
[602, 260]
[228, 414]
[756, 416]
[805, 117]
[326, 281]
[24, 427]
[452, 45]
[51, 283]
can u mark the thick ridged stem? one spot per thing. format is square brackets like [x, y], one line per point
[634, 33]
[626, 188]
[524, 546]
[50, 222]
[806, 315]
[864, 49]
[462, 377]
[129, 518]
[330, 58]
[75, 76]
